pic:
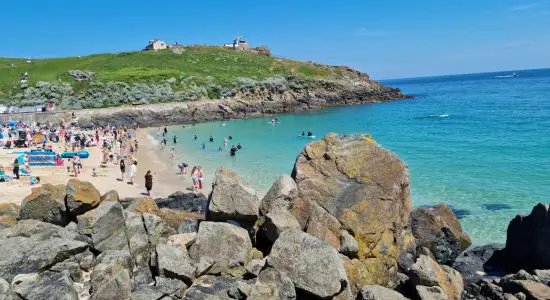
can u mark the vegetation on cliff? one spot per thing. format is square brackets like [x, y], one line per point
[182, 74]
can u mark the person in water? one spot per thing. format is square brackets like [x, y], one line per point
[175, 140]
[164, 141]
[230, 137]
[309, 133]
[165, 130]
[195, 137]
[303, 133]
[239, 147]
[233, 150]
[211, 139]
[203, 146]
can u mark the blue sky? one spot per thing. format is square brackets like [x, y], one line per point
[387, 39]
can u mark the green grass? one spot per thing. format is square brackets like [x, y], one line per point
[199, 63]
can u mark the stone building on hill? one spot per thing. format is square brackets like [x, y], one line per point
[156, 45]
[238, 44]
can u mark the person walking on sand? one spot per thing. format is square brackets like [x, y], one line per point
[133, 171]
[148, 182]
[16, 169]
[122, 169]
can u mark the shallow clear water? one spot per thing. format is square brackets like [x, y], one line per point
[478, 143]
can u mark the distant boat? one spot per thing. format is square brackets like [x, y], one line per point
[513, 75]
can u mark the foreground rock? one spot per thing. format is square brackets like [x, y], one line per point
[82, 196]
[527, 242]
[46, 203]
[47, 285]
[232, 198]
[351, 183]
[280, 196]
[226, 244]
[438, 229]
[311, 264]
[112, 276]
[105, 225]
[472, 264]
[376, 292]
[426, 272]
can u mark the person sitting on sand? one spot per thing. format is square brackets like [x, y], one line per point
[149, 182]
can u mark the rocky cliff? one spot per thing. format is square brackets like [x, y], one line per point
[338, 228]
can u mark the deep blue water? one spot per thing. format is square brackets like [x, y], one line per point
[476, 142]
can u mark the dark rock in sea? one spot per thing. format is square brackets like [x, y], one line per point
[527, 242]
[472, 263]
[460, 213]
[191, 202]
[438, 229]
[496, 206]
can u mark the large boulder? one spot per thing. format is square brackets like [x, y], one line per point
[430, 293]
[111, 277]
[191, 202]
[82, 196]
[213, 288]
[232, 198]
[272, 284]
[228, 245]
[9, 212]
[527, 242]
[472, 263]
[46, 203]
[438, 229]
[47, 285]
[313, 265]
[138, 240]
[276, 222]
[31, 246]
[280, 196]
[175, 263]
[106, 225]
[376, 292]
[427, 272]
[366, 189]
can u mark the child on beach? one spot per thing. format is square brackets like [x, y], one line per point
[133, 171]
[195, 178]
[201, 177]
[173, 154]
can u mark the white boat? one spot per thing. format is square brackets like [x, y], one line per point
[513, 75]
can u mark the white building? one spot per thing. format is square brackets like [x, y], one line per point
[156, 45]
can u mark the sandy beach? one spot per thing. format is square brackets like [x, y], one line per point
[166, 178]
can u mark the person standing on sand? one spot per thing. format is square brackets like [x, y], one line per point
[173, 154]
[133, 171]
[122, 169]
[201, 177]
[195, 178]
[149, 182]
[16, 169]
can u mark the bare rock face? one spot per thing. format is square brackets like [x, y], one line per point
[47, 204]
[106, 225]
[82, 196]
[232, 198]
[112, 275]
[277, 222]
[426, 272]
[311, 264]
[280, 196]
[8, 214]
[376, 292]
[226, 244]
[350, 183]
[438, 229]
[527, 242]
[47, 285]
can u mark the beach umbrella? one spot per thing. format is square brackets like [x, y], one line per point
[12, 123]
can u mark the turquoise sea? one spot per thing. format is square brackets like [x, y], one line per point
[477, 142]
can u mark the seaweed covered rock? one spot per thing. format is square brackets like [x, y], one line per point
[365, 188]
[232, 198]
[438, 229]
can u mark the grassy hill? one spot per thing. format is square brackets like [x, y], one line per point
[172, 75]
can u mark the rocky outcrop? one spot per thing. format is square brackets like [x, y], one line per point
[105, 225]
[472, 264]
[47, 285]
[426, 272]
[376, 292]
[232, 198]
[227, 244]
[438, 229]
[45, 203]
[311, 264]
[280, 196]
[527, 242]
[82, 196]
[277, 222]
[351, 183]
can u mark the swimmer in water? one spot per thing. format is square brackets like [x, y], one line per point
[211, 139]
[232, 151]
[225, 142]
[309, 133]
[220, 149]
[175, 140]
[195, 137]
[230, 137]
[203, 146]
[239, 147]
[303, 133]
